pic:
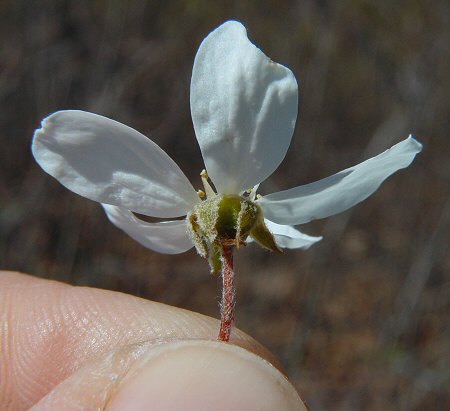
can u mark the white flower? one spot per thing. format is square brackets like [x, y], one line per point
[244, 108]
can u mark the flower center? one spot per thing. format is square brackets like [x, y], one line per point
[221, 220]
[226, 220]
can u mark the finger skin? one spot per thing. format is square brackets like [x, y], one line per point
[49, 330]
[185, 375]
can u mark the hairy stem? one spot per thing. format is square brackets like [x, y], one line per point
[228, 293]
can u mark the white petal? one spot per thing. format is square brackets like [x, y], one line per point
[244, 108]
[288, 237]
[340, 191]
[168, 237]
[109, 162]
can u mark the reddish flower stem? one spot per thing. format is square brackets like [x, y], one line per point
[228, 293]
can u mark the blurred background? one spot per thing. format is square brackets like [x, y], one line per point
[361, 320]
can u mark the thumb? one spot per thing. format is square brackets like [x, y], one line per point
[179, 375]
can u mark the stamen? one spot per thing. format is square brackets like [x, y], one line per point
[201, 194]
[252, 195]
[208, 189]
[258, 196]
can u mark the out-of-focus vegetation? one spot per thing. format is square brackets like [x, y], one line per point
[361, 320]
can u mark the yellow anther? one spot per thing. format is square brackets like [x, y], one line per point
[209, 192]
[201, 194]
[252, 192]
[258, 196]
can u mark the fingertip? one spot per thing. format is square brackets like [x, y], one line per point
[204, 375]
[180, 375]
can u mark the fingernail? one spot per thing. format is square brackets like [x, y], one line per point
[204, 375]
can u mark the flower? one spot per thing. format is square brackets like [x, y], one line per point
[244, 109]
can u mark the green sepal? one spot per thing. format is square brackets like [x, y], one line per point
[194, 233]
[261, 234]
[214, 259]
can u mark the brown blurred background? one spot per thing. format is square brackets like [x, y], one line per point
[361, 320]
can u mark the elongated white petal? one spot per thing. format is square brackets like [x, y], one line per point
[288, 237]
[111, 163]
[168, 237]
[244, 108]
[340, 191]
